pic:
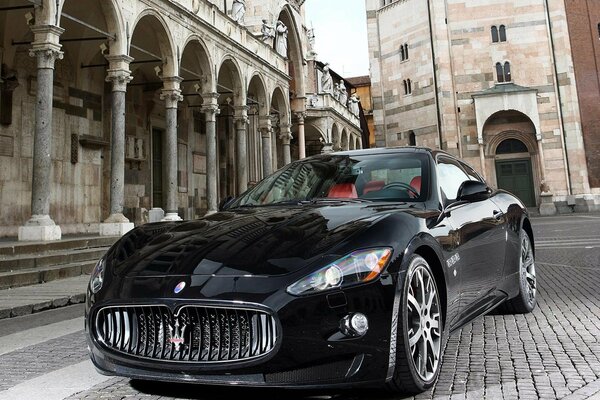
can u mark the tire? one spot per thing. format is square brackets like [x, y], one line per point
[525, 301]
[421, 310]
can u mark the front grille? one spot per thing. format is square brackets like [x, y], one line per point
[200, 334]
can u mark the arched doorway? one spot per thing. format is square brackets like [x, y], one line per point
[513, 170]
[511, 154]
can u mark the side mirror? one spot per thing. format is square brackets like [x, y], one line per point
[226, 202]
[473, 191]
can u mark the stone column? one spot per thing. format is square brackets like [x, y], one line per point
[210, 108]
[542, 159]
[117, 224]
[301, 138]
[286, 136]
[482, 158]
[171, 94]
[241, 122]
[266, 131]
[46, 49]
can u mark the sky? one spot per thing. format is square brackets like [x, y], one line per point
[340, 34]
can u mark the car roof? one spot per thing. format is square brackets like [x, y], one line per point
[392, 150]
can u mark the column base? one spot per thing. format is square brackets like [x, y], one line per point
[210, 212]
[156, 214]
[39, 228]
[171, 217]
[115, 228]
[547, 206]
[44, 233]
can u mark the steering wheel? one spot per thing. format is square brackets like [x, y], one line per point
[402, 185]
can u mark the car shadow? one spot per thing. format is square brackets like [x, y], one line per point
[202, 392]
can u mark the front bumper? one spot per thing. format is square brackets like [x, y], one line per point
[311, 353]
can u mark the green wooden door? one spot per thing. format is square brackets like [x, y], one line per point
[157, 168]
[515, 176]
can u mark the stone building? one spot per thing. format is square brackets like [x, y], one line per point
[363, 90]
[511, 86]
[115, 112]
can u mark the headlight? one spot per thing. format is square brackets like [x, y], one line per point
[97, 277]
[358, 267]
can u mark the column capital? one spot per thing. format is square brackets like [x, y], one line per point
[46, 46]
[241, 115]
[300, 116]
[210, 105]
[266, 131]
[285, 133]
[119, 78]
[171, 92]
[538, 136]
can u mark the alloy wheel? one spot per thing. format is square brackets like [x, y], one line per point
[424, 327]
[528, 269]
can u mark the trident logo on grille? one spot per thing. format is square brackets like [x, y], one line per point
[177, 333]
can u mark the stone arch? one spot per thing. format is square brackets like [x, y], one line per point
[295, 52]
[513, 125]
[335, 136]
[345, 140]
[47, 14]
[278, 92]
[202, 57]
[229, 79]
[258, 88]
[517, 125]
[279, 116]
[155, 30]
[111, 13]
[259, 105]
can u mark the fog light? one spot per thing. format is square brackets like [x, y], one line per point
[354, 325]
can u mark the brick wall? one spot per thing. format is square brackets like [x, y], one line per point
[583, 17]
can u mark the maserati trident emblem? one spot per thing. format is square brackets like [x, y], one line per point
[180, 286]
[176, 333]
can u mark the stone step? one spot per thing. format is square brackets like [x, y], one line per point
[15, 248]
[17, 263]
[30, 299]
[32, 276]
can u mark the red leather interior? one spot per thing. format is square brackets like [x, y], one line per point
[373, 186]
[343, 191]
[416, 183]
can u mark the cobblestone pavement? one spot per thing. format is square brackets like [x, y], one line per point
[552, 353]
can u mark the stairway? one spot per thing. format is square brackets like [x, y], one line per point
[24, 264]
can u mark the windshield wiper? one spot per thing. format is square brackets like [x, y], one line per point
[338, 200]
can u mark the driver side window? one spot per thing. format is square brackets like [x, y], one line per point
[450, 177]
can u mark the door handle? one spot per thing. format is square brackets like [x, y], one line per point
[498, 215]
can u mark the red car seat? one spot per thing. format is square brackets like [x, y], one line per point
[343, 191]
[416, 184]
[373, 186]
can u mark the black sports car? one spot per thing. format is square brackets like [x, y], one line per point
[337, 270]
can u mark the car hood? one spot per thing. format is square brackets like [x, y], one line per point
[265, 241]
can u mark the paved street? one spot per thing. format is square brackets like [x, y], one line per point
[553, 353]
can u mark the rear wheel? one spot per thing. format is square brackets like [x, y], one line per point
[420, 331]
[525, 301]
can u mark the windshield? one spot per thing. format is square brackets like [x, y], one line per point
[399, 177]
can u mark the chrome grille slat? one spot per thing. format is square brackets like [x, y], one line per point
[194, 334]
